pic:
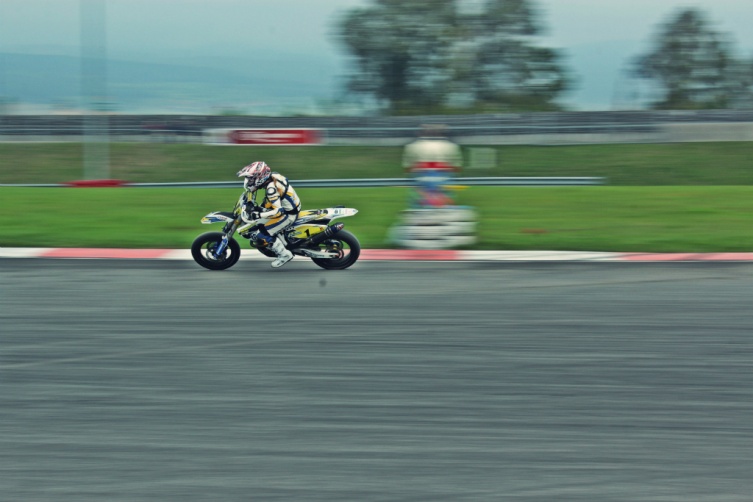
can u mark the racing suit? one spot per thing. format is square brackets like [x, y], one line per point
[280, 209]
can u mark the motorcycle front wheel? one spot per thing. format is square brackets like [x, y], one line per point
[346, 246]
[203, 248]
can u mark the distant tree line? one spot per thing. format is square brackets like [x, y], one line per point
[425, 56]
[694, 66]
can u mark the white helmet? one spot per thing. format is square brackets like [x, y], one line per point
[256, 174]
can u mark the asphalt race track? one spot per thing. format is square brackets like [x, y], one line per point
[150, 380]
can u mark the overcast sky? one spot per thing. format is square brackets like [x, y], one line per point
[599, 36]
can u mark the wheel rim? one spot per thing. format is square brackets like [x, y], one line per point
[209, 252]
[337, 246]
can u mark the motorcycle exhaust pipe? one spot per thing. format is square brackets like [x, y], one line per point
[328, 232]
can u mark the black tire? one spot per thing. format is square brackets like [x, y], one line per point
[200, 250]
[347, 244]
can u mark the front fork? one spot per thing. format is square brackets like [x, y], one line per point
[228, 232]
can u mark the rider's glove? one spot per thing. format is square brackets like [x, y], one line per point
[251, 213]
[247, 215]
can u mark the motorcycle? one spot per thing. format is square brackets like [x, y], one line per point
[312, 235]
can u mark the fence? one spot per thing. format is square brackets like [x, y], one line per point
[528, 128]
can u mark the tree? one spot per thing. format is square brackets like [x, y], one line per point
[400, 51]
[502, 63]
[425, 56]
[693, 65]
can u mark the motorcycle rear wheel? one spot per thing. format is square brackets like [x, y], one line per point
[347, 247]
[204, 245]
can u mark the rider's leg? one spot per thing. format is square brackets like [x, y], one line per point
[283, 255]
[274, 227]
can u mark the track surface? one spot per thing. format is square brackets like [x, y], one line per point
[145, 380]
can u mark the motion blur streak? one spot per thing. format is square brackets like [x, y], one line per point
[146, 380]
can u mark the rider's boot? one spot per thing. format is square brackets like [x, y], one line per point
[283, 255]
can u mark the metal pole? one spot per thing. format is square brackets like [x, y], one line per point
[94, 90]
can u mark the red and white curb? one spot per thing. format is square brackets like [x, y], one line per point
[387, 255]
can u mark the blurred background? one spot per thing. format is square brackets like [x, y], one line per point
[179, 67]
[153, 380]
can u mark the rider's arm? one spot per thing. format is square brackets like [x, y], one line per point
[273, 198]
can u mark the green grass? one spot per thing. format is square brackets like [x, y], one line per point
[729, 163]
[659, 219]
[661, 197]
[163, 163]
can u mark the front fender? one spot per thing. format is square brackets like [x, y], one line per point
[218, 217]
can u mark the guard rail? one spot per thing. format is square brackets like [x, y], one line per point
[345, 183]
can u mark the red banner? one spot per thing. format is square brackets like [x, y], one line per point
[274, 137]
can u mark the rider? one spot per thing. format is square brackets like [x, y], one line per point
[278, 211]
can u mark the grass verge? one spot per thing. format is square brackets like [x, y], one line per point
[726, 163]
[651, 219]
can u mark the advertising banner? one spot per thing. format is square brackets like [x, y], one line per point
[258, 137]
